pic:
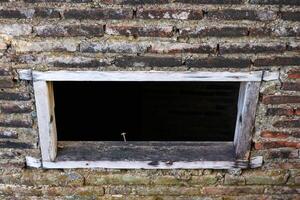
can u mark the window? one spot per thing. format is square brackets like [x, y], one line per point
[147, 119]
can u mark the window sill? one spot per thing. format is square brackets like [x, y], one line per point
[148, 155]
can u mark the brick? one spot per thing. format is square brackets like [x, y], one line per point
[276, 144]
[290, 86]
[147, 61]
[79, 64]
[260, 31]
[270, 177]
[277, 61]
[116, 179]
[20, 123]
[71, 30]
[291, 16]
[294, 74]
[281, 154]
[30, 13]
[8, 134]
[234, 180]
[98, 14]
[5, 72]
[282, 190]
[86, 192]
[45, 45]
[232, 190]
[15, 29]
[12, 14]
[58, 1]
[165, 47]
[51, 178]
[219, 62]
[287, 124]
[232, 14]
[279, 111]
[139, 31]
[214, 32]
[15, 108]
[297, 111]
[280, 99]
[46, 13]
[271, 134]
[15, 145]
[10, 96]
[139, 2]
[6, 83]
[204, 180]
[169, 14]
[276, 2]
[210, 1]
[252, 48]
[168, 180]
[114, 47]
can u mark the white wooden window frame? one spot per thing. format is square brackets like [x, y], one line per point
[247, 102]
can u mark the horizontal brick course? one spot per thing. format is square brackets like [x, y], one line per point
[292, 16]
[287, 124]
[169, 14]
[214, 32]
[69, 30]
[276, 144]
[276, 2]
[147, 61]
[232, 14]
[277, 61]
[252, 48]
[218, 62]
[280, 99]
[279, 111]
[290, 86]
[140, 31]
[96, 14]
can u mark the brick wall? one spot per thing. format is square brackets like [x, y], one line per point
[223, 35]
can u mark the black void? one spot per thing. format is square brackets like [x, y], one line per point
[146, 111]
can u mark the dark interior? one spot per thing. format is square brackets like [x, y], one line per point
[146, 111]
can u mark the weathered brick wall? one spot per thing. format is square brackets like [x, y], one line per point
[236, 35]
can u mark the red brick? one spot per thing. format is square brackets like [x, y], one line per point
[219, 62]
[147, 61]
[252, 48]
[291, 86]
[232, 14]
[287, 124]
[294, 74]
[276, 144]
[70, 30]
[214, 32]
[97, 14]
[280, 111]
[139, 31]
[169, 14]
[280, 99]
[260, 31]
[181, 48]
[297, 111]
[277, 61]
[271, 134]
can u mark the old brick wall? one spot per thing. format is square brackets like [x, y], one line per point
[235, 35]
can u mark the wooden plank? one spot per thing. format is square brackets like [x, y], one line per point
[44, 101]
[145, 76]
[145, 151]
[247, 103]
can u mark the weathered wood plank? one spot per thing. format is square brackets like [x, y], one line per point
[44, 101]
[145, 76]
[247, 102]
[145, 151]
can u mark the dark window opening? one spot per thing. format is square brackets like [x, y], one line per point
[146, 111]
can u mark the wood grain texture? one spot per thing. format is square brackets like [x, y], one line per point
[145, 76]
[247, 103]
[44, 101]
